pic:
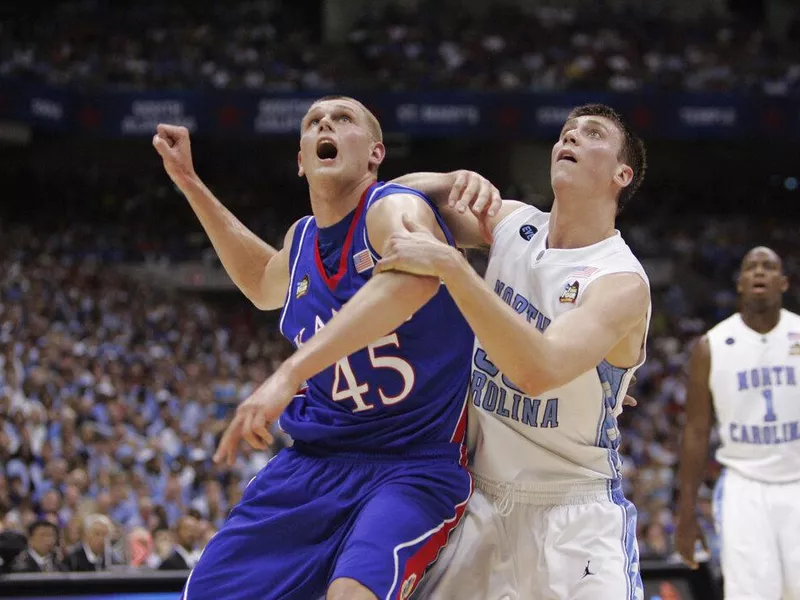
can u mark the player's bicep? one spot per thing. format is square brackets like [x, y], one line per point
[613, 307]
[275, 280]
[385, 218]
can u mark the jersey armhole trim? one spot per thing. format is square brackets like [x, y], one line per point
[293, 269]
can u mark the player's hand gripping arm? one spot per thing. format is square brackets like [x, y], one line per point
[381, 306]
[612, 308]
[260, 271]
[456, 192]
[694, 451]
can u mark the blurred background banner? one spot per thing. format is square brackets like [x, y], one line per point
[671, 116]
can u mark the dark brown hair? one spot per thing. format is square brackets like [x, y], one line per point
[632, 153]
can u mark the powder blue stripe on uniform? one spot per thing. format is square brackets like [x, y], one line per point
[608, 437]
[633, 576]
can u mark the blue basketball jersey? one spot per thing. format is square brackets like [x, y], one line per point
[405, 389]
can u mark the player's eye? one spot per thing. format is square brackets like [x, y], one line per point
[314, 121]
[595, 133]
[344, 118]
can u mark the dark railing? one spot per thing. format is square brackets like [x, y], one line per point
[662, 580]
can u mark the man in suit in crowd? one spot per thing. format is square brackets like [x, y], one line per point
[94, 552]
[182, 556]
[41, 555]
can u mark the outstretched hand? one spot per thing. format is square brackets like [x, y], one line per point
[255, 416]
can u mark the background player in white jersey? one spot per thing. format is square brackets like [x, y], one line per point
[561, 323]
[746, 370]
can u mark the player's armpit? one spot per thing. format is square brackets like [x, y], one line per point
[271, 291]
[610, 318]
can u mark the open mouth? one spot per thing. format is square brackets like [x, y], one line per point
[326, 150]
[566, 155]
[759, 286]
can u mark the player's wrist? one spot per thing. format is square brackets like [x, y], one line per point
[189, 182]
[450, 265]
[290, 372]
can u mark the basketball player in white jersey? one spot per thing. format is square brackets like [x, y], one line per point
[745, 370]
[561, 322]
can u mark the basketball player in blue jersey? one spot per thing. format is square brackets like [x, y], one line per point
[374, 396]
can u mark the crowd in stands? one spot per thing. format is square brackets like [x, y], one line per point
[112, 397]
[273, 45]
[113, 393]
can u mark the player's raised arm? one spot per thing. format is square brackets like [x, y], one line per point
[694, 450]
[260, 271]
[470, 205]
[382, 305]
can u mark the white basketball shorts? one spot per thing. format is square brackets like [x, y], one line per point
[759, 528]
[582, 548]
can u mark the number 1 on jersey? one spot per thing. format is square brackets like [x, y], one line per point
[770, 416]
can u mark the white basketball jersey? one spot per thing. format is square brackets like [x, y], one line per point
[753, 381]
[566, 435]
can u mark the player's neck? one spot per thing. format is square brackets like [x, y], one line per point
[332, 200]
[580, 224]
[762, 321]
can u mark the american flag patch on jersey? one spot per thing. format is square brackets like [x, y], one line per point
[582, 272]
[363, 261]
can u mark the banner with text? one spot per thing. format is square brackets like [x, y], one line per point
[436, 114]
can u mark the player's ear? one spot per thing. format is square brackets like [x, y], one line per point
[623, 176]
[300, 171]
[784, 284]
[738, 279]
[376, 156]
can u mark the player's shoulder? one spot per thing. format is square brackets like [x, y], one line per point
[397, 193]
[791, 318]
[519, 218]
[391, 204]
[724, 327]
[618, 257]
[295, 231]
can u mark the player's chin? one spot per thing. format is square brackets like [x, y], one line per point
[559, 177]
[329, 167]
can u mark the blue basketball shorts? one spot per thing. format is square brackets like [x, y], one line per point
[307, 519]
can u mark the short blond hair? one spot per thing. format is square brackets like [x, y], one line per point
[373, 124]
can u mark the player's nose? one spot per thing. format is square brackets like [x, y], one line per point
[325, 123]
[570, 137]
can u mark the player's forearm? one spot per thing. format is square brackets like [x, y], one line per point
[515, 347]
[243, 254]
[379, 308]
[694, 459]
